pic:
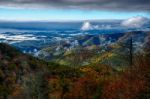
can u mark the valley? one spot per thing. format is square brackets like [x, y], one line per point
[71, 65]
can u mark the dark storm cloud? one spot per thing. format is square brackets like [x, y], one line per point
[114, 5]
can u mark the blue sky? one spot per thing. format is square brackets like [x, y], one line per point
[16, 14]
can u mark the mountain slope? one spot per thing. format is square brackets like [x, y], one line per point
[26, 77]
[14, 67]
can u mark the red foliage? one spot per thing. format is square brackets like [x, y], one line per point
[84, 88]
[130, 84]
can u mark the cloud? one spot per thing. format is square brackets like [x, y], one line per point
[135, 22]
[17, 38]
[118, 5]
[88, 26]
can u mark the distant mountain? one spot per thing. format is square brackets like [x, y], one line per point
[88, 48]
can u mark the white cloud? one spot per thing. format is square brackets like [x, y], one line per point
[86, 26]
[135, 22]
[17, 38]
[105, 27]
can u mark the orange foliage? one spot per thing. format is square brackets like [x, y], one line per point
[84, 88]
[130, 84]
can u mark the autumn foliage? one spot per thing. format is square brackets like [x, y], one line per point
[132, 84]
[25, 77]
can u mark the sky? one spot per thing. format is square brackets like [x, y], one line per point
[72, 10]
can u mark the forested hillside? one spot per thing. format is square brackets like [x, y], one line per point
[25, 77]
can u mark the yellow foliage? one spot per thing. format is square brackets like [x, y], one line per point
[102, 57]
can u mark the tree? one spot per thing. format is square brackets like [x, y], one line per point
[125, 51]
[147, 45]
[36, 87]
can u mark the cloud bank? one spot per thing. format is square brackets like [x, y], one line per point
[16, 38]
[118, 5]
[88, 26]
[135, 22]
